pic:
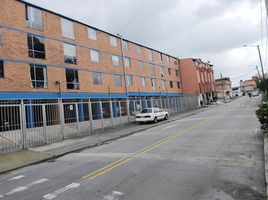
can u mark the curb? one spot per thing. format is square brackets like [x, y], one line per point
[53, 156]
[265, 147]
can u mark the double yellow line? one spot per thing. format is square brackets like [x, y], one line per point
[122, 161]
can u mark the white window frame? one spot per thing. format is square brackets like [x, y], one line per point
[94, 56]
[115, 60]
[113, 41]
[70, 51]
[92, 33]
[67, 28]
[34, 15]
[139, 49]
[129, 79]
[98, 78]
[127, 62]
[143, 81]
[116, 78]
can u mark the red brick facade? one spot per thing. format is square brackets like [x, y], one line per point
[14, 52]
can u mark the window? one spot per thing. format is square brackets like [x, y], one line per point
[34, 18]
[169, 71]
[36, 47]
[127, 62]
[125, 45]
[67, 28]
[113, 41]
[152, 73]
[163, 85]
[1, 37]
[177, 72]
[69, 53]
[178, 84]
[143, 81]
[117, 80]
[138, 49]
[162, 71]
[171, 84]
[160, 58]
[1, 69]
[141, 65]
[153, 82]
[92, 33]
[115, 60]
[72, 79]
[97, 80]
[94, 55]
[150, 55]
[38, 76]
[168, 59]
[129, 80]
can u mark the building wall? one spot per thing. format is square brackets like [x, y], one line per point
[197, 76]
[14, 52]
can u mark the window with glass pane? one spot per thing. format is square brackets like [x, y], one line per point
[162, 71]
[150, 55]
[36, 47]
[34, 18]
[160, 58]
[169, 71]
[152, 72]
[115, 60]
[127, 62]
[171, 84]
[117, 80]
[92, 33]
[164, 85]
[1, 69]
[168, 59]
[138, 49]
[94, 56]
[38, 76]
[67, 28]
[69, 53]
[153, 82]
[143, 81]
[72, 79]
[178, 84]
[141, 65]
[113, 41]
[129, 80]
[97, 80]
[177, 72]
[1, 37]
[125, 45]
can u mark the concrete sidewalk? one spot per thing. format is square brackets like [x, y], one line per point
[15, 160]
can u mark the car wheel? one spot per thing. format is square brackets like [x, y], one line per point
[166, 117]
[155, 120]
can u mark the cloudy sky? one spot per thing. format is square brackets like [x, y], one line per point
[213, 30]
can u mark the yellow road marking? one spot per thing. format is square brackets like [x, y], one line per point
[122, 161]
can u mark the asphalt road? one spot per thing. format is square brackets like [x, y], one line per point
[213, 155]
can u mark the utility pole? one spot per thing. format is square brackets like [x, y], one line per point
[261, 62]
[258, 72]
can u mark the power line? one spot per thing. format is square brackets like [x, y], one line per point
[132, 17]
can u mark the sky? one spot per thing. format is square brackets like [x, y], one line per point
[213, 30]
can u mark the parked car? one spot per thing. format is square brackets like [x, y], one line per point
[151, 115]
[255, 93]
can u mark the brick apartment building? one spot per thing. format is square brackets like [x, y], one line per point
[49, 56]
[224, 88]
[248, 85]
[197, 78]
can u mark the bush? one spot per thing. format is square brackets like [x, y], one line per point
[262, 114]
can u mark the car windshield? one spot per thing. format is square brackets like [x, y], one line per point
[146, 111]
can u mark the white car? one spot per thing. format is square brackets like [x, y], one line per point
[151, 115]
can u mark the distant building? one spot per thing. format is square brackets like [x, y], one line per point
[248, 85]
[224, 88]
[197, 79]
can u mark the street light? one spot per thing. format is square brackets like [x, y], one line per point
[259, 52]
